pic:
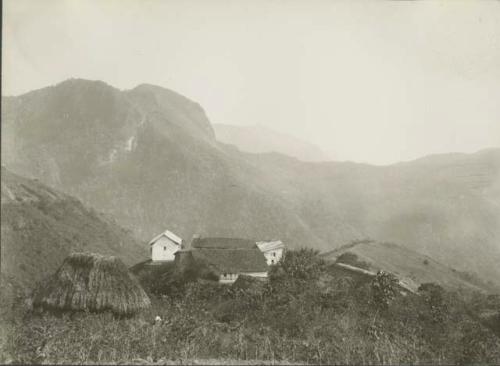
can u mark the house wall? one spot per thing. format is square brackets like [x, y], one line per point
[164, 249]
[228, 277]
[256, 274]
[273, 256]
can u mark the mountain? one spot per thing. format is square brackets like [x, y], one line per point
[149, 158]
[261, 139]
[445, 206]
[41, 226]
[412, 268]
[146, 156]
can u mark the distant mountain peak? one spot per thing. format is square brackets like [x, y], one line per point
[82, 81]
[258, 138]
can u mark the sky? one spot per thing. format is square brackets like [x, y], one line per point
[375, 82]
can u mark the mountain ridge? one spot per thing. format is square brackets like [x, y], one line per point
[153, 163]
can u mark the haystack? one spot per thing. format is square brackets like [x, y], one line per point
[92, 282]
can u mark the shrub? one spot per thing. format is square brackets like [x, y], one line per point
[384, 289]
[478, 346]
[303, 264]
[433, 295]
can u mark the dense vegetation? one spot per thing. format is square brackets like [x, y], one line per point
[305, 313]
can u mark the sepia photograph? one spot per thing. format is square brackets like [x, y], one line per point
[250, 182]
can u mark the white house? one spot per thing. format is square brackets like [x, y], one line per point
[273, 250]
[164, 246]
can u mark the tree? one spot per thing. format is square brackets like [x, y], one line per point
[303, 264]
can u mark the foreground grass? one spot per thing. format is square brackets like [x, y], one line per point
[292, 319]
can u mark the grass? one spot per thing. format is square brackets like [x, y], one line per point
[409, 265]
[290, 319]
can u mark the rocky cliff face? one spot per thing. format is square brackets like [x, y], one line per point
[149, 158]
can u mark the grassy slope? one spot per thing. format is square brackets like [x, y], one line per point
[291, 318]
[446, 206]
[412, 267]
[40, 227]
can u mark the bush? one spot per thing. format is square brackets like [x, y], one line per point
[384, 289]
[303, 264]
[433, 296]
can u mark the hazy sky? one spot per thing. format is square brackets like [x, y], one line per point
[376, 82]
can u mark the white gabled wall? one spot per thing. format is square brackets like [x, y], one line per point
[228, 277]
[232, 277]
[273, 256]
[164, 249]
[256, 274]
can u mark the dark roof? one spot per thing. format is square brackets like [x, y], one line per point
[232, 260]
[223, 243]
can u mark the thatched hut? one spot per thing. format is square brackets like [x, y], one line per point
[92, 282]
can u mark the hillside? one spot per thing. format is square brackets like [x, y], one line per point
[410, 267]
[41, 226]
[304, 314]
[149, 158]
[260, 139]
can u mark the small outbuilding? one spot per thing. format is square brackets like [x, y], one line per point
[92, 282]
[164, 246]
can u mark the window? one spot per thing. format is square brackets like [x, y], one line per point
[274, 254]
[164, 248]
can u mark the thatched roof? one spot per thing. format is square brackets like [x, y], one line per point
[93, 282]
[223, 243]
[232, 260]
